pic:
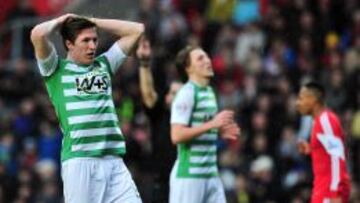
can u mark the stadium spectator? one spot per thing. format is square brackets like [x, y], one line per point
[157, 107]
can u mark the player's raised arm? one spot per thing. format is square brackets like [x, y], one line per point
[147, 89]
[40, 35]
[127, 32]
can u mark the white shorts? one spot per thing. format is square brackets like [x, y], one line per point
[195, 190]
[98, 180]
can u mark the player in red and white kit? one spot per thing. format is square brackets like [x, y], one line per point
[327, 149]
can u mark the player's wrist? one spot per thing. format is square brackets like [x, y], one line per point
[213, 124]
[52, 25]
[144, 63]
[93, 20]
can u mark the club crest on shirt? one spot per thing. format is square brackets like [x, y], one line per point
[94, 82]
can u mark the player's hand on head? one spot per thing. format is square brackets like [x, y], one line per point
[303, 147]
[63, 18]
[230, 131]
[143, 51]
[223, 118]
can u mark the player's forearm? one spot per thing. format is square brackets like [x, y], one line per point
[40, 37]
[119, 28]
[147, 86]
[40, 33]
[43, 30]
[180, 133]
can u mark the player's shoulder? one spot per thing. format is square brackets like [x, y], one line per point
[187, 88]
[329, 115]
[101, 61]
[185, 92]
[332, 114]
[329, 120]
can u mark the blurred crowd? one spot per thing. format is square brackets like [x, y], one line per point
[262, 51]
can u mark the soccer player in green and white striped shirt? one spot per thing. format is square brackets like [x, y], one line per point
[195, 124]
[80, 89]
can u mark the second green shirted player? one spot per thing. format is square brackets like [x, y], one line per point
[195, 124]
[80, 89]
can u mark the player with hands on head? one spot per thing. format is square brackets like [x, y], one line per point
[79, 87]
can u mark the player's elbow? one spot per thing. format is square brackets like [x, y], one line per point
[175, 139]
[179, 133]
[37, 34]
[175, 135]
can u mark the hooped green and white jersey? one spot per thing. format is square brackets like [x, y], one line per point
[82, 97]
[193, 106]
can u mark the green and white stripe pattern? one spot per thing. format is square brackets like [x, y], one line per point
[198, 157]
[84, 105]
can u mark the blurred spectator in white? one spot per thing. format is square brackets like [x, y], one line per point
[251, 40]
[46, 169]
[261, 172]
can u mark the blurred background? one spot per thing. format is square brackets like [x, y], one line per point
[262, 50]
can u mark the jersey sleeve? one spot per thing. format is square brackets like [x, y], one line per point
[334, 147]
[182, 106]
[305, 127]
[115, 56]
[48, 66]
[330, 138]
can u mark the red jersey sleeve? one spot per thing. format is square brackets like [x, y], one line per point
[331, 138]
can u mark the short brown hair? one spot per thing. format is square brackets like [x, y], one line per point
[183, 60]
[70, 29]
